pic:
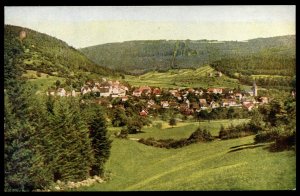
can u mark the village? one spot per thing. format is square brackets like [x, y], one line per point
[186, 100]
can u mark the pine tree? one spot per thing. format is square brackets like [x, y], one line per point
[100, 142]
[17, 151]
[41, 173]
[70, 151]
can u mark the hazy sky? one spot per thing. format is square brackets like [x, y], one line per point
[86, 26]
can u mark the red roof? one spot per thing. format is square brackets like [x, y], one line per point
[144, 113]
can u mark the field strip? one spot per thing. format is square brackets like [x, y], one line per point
[155, 177]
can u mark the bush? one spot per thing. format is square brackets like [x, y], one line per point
[200, 135]
[158, 125]
[172, 122]
[123, 134]
[283, 138]
[284, 142]
[266, 136]
[236, 131]
[134, 126]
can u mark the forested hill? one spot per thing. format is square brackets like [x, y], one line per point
[142, 56]
[46, 54]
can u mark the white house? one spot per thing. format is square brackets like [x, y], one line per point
[105, 91]
[85, 89]
[73, 93]
[61, 92]
[164, 104]
[215, 90]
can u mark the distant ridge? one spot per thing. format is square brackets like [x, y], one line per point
[140, 56]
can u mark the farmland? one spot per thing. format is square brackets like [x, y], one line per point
[183, 78]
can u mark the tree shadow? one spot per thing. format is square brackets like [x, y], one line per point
[247, 146]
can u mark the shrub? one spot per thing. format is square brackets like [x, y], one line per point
[286, 141]
[283, 138]
[122, 134]
[172, 122]
[158, 125]
[266, 136]
[200, 135]
[241, 130]
[134, 126]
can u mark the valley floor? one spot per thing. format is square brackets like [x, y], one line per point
[235, 164]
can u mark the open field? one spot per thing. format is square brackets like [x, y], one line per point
[41, 83]
[182, 129]
[235, 164]
[183, 78]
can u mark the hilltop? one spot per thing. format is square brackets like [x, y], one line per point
[137, 57]
[45, 58]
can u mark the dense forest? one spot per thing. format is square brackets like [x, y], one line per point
[138, 57]
[268, 71]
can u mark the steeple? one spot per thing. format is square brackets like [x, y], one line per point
[254, 88]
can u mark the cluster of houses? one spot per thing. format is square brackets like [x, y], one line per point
[180, 99]
[245, 99]
[103, 89]
[61, 92]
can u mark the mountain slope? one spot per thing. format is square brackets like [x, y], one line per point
[142, 56]
[46, 54]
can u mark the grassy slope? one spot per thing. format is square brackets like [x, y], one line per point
[183, 78]
[202, 166]
[41, 83]
[47, 54]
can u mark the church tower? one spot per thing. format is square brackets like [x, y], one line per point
[254, 88]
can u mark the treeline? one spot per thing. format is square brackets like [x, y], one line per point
[49, 55]
[275, 122]
[161, 55]
[48, 138]
[223, 113]
[243, 67]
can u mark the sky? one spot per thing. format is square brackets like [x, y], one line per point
[82, 26]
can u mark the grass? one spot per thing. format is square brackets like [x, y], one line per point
[180, 130]
[41, 83]
[183, 78]
[235, 164]
[269, 76]
[184, 129]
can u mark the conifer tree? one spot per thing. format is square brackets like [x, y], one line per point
[70, 152]
[100, 142]
[17, 150]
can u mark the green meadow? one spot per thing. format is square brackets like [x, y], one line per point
[236, 164]
[183, 129]
[41, 83]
